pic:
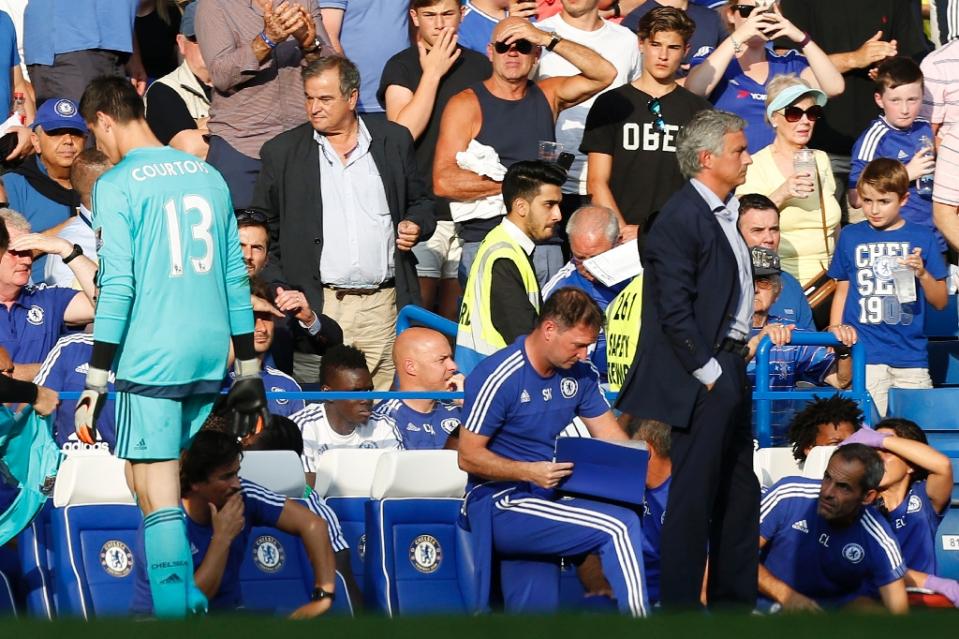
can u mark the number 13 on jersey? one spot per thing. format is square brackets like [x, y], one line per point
[196, 211]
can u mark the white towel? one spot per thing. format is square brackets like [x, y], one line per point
[482, 160]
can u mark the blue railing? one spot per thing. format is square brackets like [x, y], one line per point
[763, 397]
[410, 315]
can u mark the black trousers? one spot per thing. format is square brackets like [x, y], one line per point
[713, 503]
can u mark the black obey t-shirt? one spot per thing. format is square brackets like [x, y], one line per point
[404, 70]
[645, 171]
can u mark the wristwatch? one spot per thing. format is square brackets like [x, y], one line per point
[553, 42]
[319, 594]
[75, 253]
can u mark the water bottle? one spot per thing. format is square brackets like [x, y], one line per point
[19, 106]
[924, 182]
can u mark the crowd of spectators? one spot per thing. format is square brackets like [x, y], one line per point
[475, 158]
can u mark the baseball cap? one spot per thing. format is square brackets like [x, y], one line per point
[188, 21]
[59, 113]
[765, 262]
[792, 94]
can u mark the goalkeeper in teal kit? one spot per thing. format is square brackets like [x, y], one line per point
[173, 291]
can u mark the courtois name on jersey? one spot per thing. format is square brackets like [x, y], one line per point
[173, 286]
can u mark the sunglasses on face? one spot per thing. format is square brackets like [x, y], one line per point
[524, 47]
[794, 113]
[764, 283]
[656, 109]
[744, 10]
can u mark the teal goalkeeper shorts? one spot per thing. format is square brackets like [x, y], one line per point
[154, 428]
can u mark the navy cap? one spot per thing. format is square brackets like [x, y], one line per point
[188, 21]
[59, 113]
[765, 262]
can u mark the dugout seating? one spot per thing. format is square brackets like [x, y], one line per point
[35, 553]
[279, 470]
[9, 569]
[276, 575]
[415, 552]
[947, 545]
[944, 323]
[347, 475]
[936, 410]
[944, 363]
[94, 525]
[772, 464]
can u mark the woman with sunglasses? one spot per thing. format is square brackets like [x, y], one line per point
[735, 75]
[914, 494]
[808, 210]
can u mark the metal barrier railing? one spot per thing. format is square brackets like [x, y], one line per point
[763, 397]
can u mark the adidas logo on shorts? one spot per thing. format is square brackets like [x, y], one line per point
[173, 578]
[141, 445]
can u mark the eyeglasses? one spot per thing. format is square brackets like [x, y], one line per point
[744, 10]
[794, 113]
[525, 47]
[656, 109]
[765, 283]
[246, 216]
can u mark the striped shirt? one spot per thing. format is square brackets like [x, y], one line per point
[252, 101]
[829, 564]
[319, 436]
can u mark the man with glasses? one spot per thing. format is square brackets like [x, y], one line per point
[511, 114]
[178, 104]
[789, 363]
[631, 131]
[34, 317]
[40, 187]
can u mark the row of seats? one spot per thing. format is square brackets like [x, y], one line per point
[76, 558]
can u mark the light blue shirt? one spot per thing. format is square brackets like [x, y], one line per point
[373, 31]
[61, 26]
[727, 213]
[358, 234]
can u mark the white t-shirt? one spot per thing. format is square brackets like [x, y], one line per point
[319, 436]
[76, 231]
[615, 43]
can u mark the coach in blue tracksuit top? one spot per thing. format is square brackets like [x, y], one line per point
[517, 401]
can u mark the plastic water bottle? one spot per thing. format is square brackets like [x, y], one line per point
[924, 182]
[19, 106]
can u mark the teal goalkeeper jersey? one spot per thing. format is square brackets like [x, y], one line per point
[173, 286]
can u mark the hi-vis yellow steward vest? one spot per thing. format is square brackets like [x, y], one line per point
[622, 331]
[476, 331]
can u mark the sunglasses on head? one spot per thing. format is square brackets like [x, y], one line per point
[524, 47]
[250, 215]
[794, 113]
[656, 109]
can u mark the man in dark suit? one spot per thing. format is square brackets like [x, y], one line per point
[690, 370]
[345, 203]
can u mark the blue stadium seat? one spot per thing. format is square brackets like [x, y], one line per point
[94, 527]
[414, 552]
[36, 565]
[345, 478]
[276, 575]
[936, 410]
[9, 575]
[944, 363]
[944, 323]
[947, 545]
[955, 481]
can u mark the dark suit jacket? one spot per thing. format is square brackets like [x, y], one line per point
[288, 190]
[690, 295]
